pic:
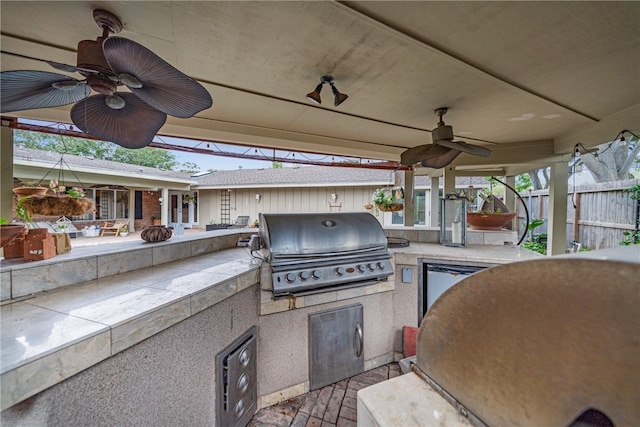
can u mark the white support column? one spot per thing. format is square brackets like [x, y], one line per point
[131, 214]
[6, 173]
[435, 202]
[510, 199]
[164, 207]
[558, 190]
[509, 196]
[408, 199]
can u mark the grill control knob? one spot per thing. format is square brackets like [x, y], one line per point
[316, 274]
[304, 275]
[361, 268]
[380, 266]
[339, 271]
[371, 266]
[290, 277]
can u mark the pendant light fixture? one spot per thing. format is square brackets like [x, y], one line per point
[314, 96]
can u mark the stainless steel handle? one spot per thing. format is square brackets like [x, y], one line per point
[359, 340]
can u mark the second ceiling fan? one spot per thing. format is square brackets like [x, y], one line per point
[443, 150]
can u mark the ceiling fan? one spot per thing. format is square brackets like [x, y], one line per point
[131, 118]
[443, 150]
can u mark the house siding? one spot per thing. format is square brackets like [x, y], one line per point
[286, 200]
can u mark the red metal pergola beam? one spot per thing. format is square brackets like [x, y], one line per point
[63, 130]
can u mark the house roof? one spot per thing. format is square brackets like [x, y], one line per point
[303, 176]
[299, 176]
[314, 176]
[30, 164]
[21, 154]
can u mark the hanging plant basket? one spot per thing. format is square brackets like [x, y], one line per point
[389, 199]
[391, 207]
[57, 205]
[30, 191]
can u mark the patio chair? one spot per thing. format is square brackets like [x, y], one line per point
[241, 222]
[114, 227]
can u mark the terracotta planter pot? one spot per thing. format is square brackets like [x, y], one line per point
[8, 232]
[39, 245]
[30, 191]
[492, 221]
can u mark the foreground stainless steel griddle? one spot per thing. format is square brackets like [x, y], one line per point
[538, 343]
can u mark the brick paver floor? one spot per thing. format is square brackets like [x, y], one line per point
[333, 405]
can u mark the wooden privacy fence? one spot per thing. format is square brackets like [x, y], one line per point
[602, 212]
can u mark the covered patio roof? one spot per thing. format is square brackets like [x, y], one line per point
[528, 80]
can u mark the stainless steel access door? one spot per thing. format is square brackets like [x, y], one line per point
[336, 342]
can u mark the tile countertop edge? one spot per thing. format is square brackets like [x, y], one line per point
[38, 365]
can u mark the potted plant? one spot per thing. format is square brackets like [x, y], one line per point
[389, 200]
[188, 198]
[156, 218]
[214, 225]
[38, 238]
[30, 188]
[9, 232]
[124, 230]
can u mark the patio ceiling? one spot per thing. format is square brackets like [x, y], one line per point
[528, 80]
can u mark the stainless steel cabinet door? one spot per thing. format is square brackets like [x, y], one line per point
[336, 342]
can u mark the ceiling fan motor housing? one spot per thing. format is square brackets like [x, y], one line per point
[444, 132]
[91, 57]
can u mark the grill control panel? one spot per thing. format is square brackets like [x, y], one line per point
[290, 280]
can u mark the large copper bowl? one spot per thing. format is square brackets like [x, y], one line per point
[489, 221]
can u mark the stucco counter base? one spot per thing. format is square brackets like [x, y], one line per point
[405, 401]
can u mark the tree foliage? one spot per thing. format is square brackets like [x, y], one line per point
[612, 161]
[147, 156]
[189, 167]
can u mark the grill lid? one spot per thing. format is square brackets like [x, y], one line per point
[305, 235]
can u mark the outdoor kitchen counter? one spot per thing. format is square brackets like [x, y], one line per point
[51, 336]
[489, 254]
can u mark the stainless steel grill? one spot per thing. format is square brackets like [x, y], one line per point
[314, 252]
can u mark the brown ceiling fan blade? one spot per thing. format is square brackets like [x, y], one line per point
[421, 152]
[476, 150]
[163, 86]
[133, 126]
[442, 160]
[30, 89]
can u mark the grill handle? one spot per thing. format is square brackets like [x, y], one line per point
[358, 341]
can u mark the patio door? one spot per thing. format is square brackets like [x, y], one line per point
[183, 207]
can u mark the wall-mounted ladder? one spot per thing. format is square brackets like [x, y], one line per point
[225, 207]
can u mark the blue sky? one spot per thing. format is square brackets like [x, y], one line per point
[206, 161]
